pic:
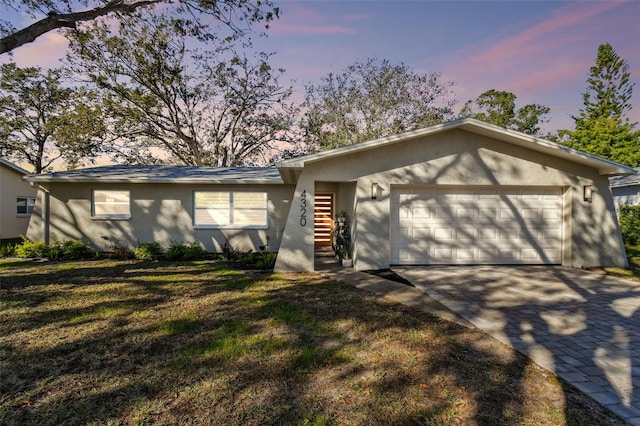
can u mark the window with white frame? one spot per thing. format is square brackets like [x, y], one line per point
[110, 204]
[229, 209]
[25, 205]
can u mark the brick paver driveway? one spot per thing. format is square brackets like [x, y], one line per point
[582, 326]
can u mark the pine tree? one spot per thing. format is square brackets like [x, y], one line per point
[602, 127]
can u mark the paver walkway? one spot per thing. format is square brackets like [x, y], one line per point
[582, 326]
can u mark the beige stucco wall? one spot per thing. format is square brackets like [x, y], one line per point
[12, 186]
[159, 212]
[455, 158]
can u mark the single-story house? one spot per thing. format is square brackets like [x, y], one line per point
[18, 199]
[626, 189]
[463, 192]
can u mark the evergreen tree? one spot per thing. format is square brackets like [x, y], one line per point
[602, 127]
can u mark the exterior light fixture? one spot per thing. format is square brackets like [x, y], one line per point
[587, 193]
[374, 191]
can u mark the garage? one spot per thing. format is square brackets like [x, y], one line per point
[476, 225]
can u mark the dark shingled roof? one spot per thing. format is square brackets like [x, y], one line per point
[616, 182]
[164, 174]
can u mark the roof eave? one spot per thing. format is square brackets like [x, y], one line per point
[13, 167]
[290, 175]
[50, 179]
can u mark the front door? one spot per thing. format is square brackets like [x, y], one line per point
[322, 218]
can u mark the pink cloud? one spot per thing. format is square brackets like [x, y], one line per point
[552, 56]
[45, 52]
[528, 42]
[298, 20]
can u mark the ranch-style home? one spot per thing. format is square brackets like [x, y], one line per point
[17, 202]
[463, 192]
[626, 189]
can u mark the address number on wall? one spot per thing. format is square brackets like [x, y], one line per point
[303, 208]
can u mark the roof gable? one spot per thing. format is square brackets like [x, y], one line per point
[289, 169]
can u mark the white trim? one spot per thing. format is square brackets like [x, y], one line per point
[110, 216]
[232, 209]
[27, 198]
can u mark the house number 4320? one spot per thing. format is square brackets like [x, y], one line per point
[303, 208]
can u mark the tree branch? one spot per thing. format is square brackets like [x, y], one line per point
[66, 20]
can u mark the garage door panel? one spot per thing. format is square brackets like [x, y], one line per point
[465, 213]
[487, 214]
[508, 234]
[552, 214]
[554, 234]
[465, 254]
[466, 234]
[487, 234]
[443, 253]
[419, 233]
[421, 213]
[440, 233]
[476, 225]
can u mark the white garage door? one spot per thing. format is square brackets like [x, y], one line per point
[476, 226]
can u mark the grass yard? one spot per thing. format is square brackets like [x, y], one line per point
[633, 273]
[135, 343]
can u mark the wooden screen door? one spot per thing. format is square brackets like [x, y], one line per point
[322, 218]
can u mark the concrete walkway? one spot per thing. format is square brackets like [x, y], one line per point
[582, 326]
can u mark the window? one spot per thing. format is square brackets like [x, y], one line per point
[217, 209]
[25, 205]
[110, 204]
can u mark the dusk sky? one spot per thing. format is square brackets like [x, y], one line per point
[539, 50]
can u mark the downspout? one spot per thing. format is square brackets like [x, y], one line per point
[45, 215]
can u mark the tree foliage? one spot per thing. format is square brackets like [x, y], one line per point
[630, 224]
[602, 127]
[499, 108]
[373, 99]
[195, 14]
[42, 120]
[172, 103]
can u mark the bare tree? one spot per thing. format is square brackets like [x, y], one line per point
[373, 99]
[58, 14]
[168, 102]
[43, 120]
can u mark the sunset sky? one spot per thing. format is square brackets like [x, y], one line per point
[539, 50]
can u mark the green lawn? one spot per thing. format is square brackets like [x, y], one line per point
[633, 273]
[127, 342]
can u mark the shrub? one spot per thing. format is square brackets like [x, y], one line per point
[182, 251]
[69, 249]
[247, 258]
[7, 249]
[29, 249]
[176, 251]
[194, 252]
[267, 262]
[119, 251]
[148, 251]
[228, 251]
[630, 224]
[75, 249]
